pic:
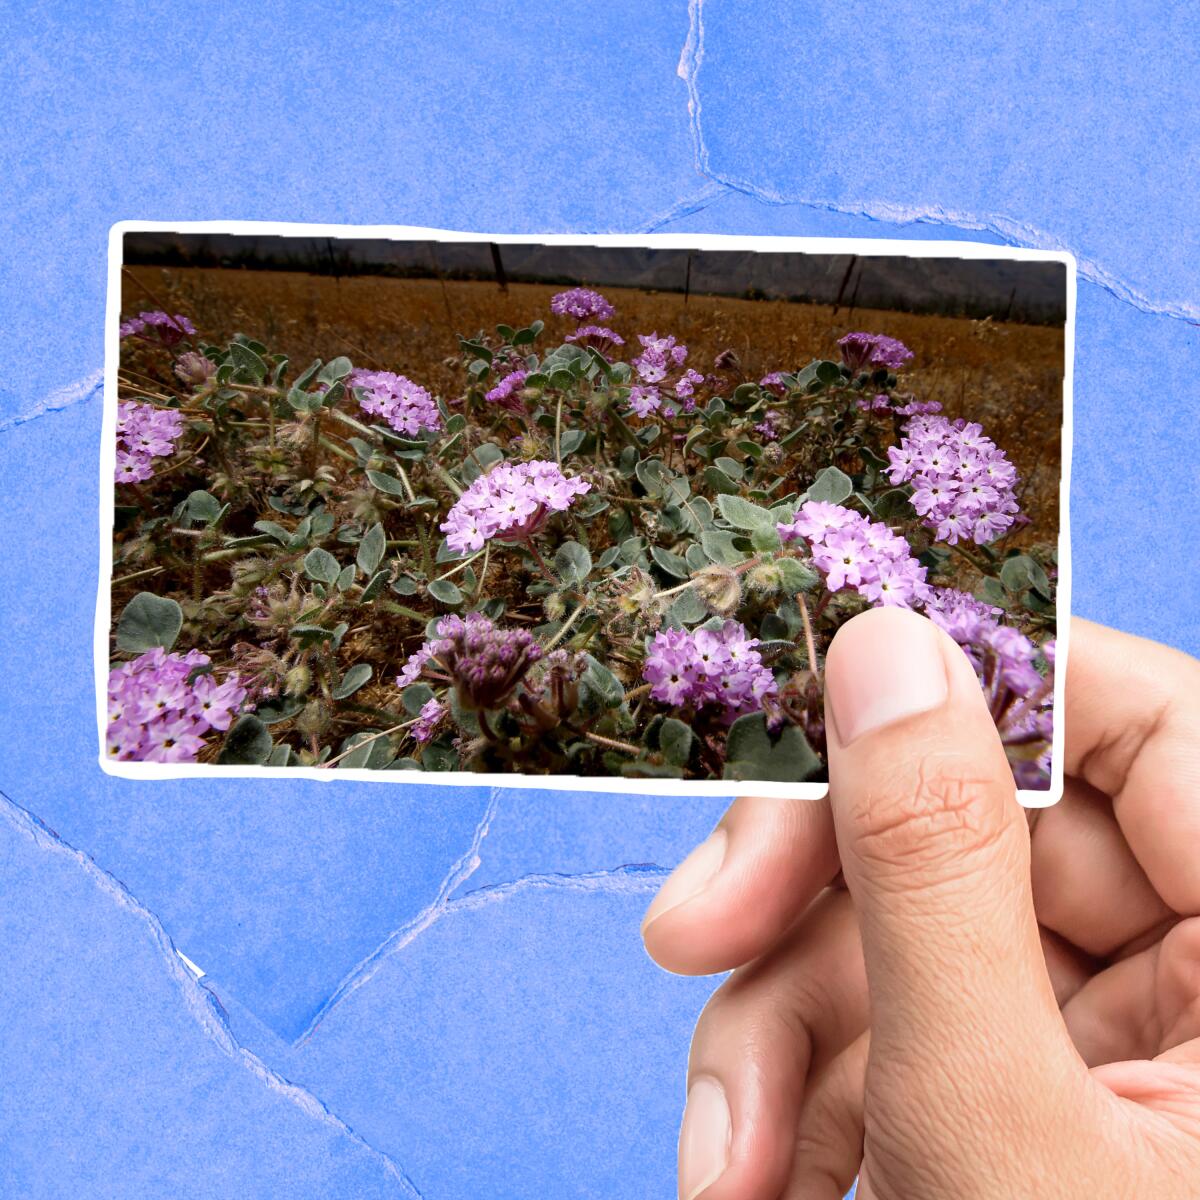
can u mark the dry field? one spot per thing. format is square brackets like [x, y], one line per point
[1008, 376]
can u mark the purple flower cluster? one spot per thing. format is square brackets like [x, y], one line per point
[910, 408]
[484, 662]
[194, 368]
[768, 427]
[667, 387]
[863, 351]
[962, 482]
[583, 304]
[851, 551]
[600, 338]
[156, 715]
[405, 406]
[144, 433]
[430, 717]
[506, 391]
[707, 666]
[511, 502]
[773, 383]
[1020, 697]
[158, 327]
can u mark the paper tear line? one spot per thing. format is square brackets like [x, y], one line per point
[1008, 229]
[199, 1003]
[460, 871]
[64, 397]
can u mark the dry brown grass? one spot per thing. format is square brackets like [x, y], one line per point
[1008, 376]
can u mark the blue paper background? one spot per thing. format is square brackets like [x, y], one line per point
[489, 1025]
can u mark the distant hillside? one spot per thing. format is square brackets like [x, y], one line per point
[999, 288]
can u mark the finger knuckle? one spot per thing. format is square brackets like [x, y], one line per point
[945, 810]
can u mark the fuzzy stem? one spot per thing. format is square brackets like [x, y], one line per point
[808, 636]
[611, 743]
[562, 630]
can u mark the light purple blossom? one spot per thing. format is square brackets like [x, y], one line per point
[505, 393]
[485, 662]
[144, 433]
[666, 387]
[430, 717]
[583, 304]
[768, 427]
[962, 482]
[705, 666]
[599, 337]
[511, 502]
[862, 351]
[773, 383]
[1019, 696]
[852, 551]
[406, 406]
[194, 368]
[159, 327]
[156, 715]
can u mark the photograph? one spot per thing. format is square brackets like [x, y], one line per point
[567, 510]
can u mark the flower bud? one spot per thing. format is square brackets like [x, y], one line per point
[298, 680]
[764, 578]
[719, 588]
[194, 368]
[554, 607]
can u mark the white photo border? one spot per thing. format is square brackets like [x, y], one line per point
[863, 247]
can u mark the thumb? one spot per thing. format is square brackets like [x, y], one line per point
[935, 850]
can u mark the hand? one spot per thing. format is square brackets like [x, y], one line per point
[997, 1004]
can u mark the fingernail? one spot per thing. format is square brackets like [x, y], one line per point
[704, 1137]
[883, 667]
[690, 878]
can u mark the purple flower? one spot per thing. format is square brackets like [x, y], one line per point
[773, 383]
[407, 407]
[429, 718]
[852, 551]
[599, 337]
[644, 400]
[194, 368]
[869, 350]
[666, 387]
[156, 715]
[511, 503]
[583, 304]
[158, 327]
[768, 427]
[505, 393]
[705, 666]
[1019, 696]
[486, 663]
[144, 433]
[962, 482]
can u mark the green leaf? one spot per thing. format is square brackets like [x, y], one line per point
[765, 539]
[202, 507]
[352, 681]
[334, 371]
[404, 585]
[248, 743]
[603, 683]
[741, 514]
[278, 708]
[572, 562]
[687, 609]
[720, 482]
[368, 751]
[829, 373]
[246, 363]
[345, 579]
[675, 741]
[653, 476]
[795, 576]
[730, 467]
[275, 530]
[415, 697]
[371, 548]
[831, 486]
[718, 545]
[374, 587]
[321, 565]
[480, 459]
[752, 754]
[1021, 572]
[386, 483]
[671, 563]
[445, 590]
[148, 621]
[609, 557]
[571, 440]
[894, 504]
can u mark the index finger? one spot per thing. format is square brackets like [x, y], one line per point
[1133, 732]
